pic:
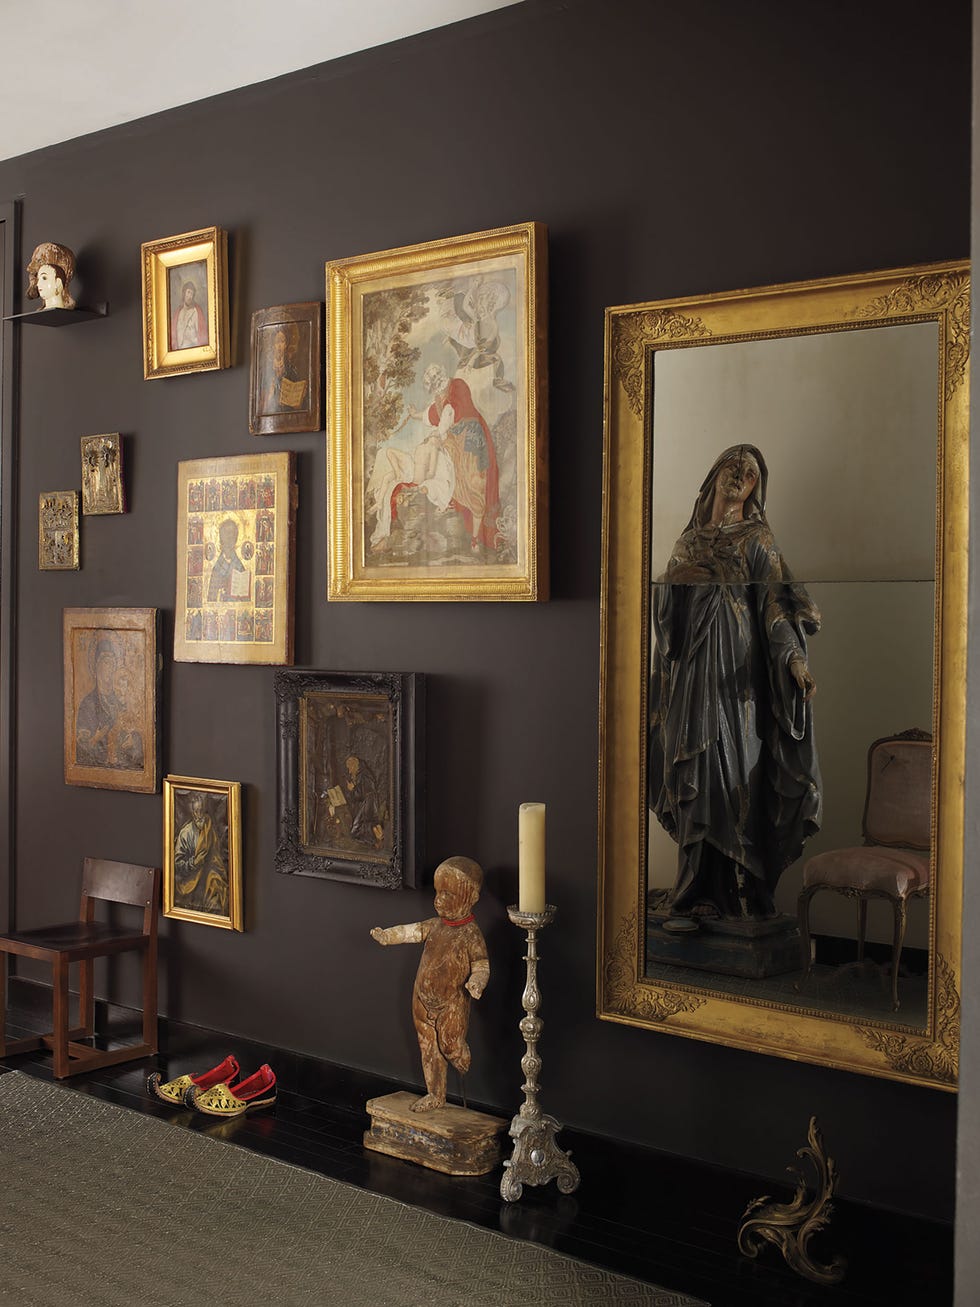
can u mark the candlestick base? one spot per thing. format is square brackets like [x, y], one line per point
[536, 1158]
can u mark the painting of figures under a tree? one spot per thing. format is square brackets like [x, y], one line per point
[438, 424]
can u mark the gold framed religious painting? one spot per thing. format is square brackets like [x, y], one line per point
[112, 681]
[102, 481]
[351, 755]
[437, 438]
[236, 536]
[287, 363]
[202, 851]
[57, 531]
[185, 303]
[782, 724]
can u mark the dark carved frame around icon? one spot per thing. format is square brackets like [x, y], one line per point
[350, 761]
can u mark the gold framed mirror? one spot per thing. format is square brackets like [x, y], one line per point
[784, 509]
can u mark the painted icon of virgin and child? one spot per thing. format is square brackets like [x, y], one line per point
[108, 722]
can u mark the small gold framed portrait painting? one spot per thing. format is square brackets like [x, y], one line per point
[112, 679]
[102, 483]
[202, 851]
[235, 546]
[437, 460]
[57, 531]
[287, 362]
[185, 303]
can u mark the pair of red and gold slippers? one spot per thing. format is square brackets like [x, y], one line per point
[214, 1093]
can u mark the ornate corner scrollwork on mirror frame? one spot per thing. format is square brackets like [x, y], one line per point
[928, 293]
[938, 1060]
[632, 338]
[636, 1000]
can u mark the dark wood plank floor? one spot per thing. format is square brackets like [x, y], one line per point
[646, 1214]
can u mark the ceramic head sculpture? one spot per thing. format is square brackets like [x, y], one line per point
[50, 273]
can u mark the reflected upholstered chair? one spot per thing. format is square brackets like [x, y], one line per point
[894, 862]
[83, 941]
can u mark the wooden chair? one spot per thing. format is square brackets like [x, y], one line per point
[82, 941]
[894, 862]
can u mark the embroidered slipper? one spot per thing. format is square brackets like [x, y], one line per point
[258, 1090]
[174, 1092]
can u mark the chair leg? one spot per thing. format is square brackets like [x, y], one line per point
[150, 997]
[86, 997]
[60, 1032]
[11, 1047]
[901, 915]
[862, 925]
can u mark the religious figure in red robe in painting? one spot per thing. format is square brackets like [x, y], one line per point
[454, 464]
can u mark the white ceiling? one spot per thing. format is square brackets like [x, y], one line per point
[69, 67]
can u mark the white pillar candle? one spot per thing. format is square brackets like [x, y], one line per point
[531, 861]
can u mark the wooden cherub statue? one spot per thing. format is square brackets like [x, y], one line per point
[49, 275]
[454, 968]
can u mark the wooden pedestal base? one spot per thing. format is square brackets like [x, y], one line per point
[453, 1140]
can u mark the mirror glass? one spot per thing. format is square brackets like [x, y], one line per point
[845, 422]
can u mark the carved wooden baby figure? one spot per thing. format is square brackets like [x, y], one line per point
[454, 968]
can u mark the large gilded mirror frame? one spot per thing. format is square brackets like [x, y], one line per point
[887, 1045]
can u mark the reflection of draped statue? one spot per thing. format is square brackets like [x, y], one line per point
[733, 774]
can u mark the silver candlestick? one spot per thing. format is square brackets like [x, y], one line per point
[536, 1158]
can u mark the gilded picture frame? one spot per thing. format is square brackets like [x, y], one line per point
[351, 754]
[286, 369]
[102, 475]
[57, 531]
[202, 851]
[236, 544]
[185, 303]
[437, 438]
[933, 299]
[112, 673]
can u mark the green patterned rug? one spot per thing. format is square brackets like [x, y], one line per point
[105, 1207]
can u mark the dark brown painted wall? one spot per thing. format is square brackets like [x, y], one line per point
[672, 149]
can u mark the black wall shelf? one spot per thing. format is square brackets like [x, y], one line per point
[59, 317]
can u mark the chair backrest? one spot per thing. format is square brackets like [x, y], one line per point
[898, 808]
[121, 882]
